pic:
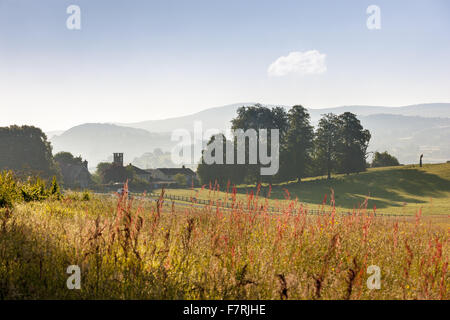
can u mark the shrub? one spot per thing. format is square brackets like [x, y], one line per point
[55, 190]
[34, 191]
[85, 196]
[384, 159]
[8, 189]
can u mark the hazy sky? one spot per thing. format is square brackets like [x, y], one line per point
[139, 60]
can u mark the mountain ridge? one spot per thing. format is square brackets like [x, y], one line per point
[217, 117]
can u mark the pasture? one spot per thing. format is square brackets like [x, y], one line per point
[146, 249]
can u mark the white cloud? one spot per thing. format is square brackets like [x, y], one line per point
[308, 62]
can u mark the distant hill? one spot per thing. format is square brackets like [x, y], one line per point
[51, 134]
[220, 117]
[427, 110]
[96, 142]
[406, 132]
[217, 117]
[408, 137]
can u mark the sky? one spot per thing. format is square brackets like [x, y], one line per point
[135, 60]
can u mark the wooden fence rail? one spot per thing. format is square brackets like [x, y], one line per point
[270, 208]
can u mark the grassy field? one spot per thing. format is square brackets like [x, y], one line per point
[391, 190]
[139, 248]
[148, 250]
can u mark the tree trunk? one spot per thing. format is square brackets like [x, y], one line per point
[329, 169]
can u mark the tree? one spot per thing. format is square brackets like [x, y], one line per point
[297, 150]
[258, 117]
[384, 159]
[102, 167]
[68, 158]
[326, 143]
[26, 151]
[180, 179]
[130, 173]
[73, 169]
[352, 144]
[222, 173]
[55, 190]
[109, 172]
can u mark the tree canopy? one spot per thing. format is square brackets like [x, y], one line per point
[220, 173]
[73, 169]
[297, 152]
[109, 172]
[384, 159]
[352, 144]
[258, 117]
[338, 145]
[67, 158]
[326, 144]
[26, 151]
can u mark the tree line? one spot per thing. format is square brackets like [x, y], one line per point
[338, 145]
[26, 151]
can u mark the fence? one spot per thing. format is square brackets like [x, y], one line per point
[228, 204]
[271, 209]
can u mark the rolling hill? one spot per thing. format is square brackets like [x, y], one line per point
[220, 117]
[389, 190]
[406, 132]
[402, 190]
[407, 137]
[96, 142]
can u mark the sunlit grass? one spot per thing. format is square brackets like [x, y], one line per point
[149, 250]
[391, 190]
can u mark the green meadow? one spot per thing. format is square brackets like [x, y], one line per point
[389, 190]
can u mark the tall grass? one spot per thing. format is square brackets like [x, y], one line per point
[160, 250]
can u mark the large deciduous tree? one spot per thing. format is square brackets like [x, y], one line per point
[352, 144]
[26, 151]
[298, 145]
[326, 143]
[258, 117]
[220, 171]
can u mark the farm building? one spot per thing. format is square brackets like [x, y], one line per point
[166, 176]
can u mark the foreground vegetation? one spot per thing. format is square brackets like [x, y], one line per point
[13, 190]
[160, 250]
